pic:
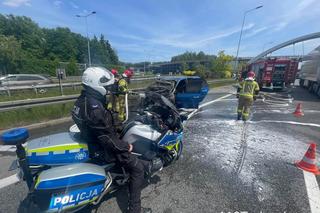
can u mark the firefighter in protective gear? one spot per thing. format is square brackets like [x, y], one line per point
[247, 92]
[111, 105]
[120, 89]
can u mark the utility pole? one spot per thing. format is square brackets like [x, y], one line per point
[243, 21]
[86, 20]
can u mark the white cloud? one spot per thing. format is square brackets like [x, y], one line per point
[256, 31]
[181, 40]
[74, 5]
[57, 3]
[199, 41]
[301, 11]
[16, 3]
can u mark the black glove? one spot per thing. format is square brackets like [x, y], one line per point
[237, 95]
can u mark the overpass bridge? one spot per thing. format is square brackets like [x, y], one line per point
[285, 44]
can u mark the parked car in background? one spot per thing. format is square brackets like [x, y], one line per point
[24, 79]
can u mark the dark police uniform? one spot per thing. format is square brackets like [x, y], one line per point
[96, 126]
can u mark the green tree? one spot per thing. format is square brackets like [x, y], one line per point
[194, 66]
[221, 67]
[201, 71]
[184, 66]
[192, 56]
[10, 54]
[72, 68]
[30, 49]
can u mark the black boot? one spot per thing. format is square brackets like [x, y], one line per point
[239, 116]
[146, 210]
[153, 166]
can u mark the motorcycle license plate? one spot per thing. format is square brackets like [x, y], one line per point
[74, 198]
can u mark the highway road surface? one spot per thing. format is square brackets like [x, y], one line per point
[227, 165]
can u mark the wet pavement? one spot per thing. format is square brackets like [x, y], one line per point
[227, 165]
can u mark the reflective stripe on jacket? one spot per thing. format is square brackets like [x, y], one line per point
[123, 85]
[248, 88]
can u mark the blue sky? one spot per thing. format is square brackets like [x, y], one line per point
[155, 30]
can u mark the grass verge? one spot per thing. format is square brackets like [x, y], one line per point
[23, 117]
[222, 83]
[30, 94]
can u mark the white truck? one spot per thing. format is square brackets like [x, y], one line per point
[310, 72]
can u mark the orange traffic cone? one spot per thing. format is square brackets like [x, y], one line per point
[308, 162]
[298, 112]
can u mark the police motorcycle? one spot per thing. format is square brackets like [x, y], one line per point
[64, 175]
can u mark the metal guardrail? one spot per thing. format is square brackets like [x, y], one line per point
[43, 86]
[29, 103]
[24, 104]
[40, 86]
[73, 84]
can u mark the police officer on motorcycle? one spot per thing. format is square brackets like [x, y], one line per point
[97, 127]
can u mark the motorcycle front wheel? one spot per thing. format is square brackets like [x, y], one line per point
[173, 155]
[179, 149]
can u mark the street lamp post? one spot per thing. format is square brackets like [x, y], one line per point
[86, 19]
[243, 21]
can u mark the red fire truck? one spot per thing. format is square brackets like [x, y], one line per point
[274, 73]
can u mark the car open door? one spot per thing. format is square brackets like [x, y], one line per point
[190, 92]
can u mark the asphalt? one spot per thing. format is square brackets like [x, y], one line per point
[226, 165]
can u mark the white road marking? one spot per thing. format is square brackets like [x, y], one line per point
[208, 103]
[9, 180]
[230, 99]
[312, 191]
[7, 148]
[286, 122]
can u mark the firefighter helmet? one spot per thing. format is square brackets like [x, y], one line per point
[98, 78]
[127, 73]
[114, 72]
[251, 75]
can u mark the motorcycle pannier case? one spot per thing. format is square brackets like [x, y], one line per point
[57, 149]
[69, 186]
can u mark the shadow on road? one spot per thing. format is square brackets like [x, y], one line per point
[121, 196]
[302, 94]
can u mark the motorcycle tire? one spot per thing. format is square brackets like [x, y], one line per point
[168, 159]
[179, 151]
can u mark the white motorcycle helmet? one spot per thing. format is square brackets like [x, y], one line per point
[98, 78]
